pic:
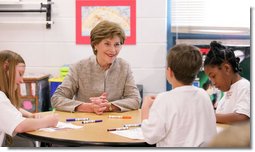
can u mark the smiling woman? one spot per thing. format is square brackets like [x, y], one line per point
[106, 42]
[102, 82]
[107, 51]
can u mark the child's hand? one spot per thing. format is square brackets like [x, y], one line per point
[51, 120]
[37, 115]
[148, 101]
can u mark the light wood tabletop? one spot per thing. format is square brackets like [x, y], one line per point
[91, 134]
[223, 126]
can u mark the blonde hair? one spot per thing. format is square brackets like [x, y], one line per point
[8, 62]
[104, 30]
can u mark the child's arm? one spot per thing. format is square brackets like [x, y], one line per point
[26, 113]
[153, 127]
[31, 124]
[148, 101]
[231, 118]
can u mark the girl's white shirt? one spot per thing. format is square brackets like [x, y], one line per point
[10, 117]
[237, 99]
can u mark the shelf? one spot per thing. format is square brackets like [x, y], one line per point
[34, 93]
[44, 8]
[24, 3]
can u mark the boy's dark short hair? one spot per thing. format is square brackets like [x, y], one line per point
[185, 61]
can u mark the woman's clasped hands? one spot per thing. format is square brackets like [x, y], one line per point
[99, 104]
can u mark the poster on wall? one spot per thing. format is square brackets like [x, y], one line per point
[29, 104]
[90, 12]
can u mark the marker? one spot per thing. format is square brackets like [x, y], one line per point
[117, 129]
[121, 117]
[91, 121]
[77, 119]
[132, 125]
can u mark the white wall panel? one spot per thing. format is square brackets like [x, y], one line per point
[46, 50]
[63, 30]
[153, 81]
[151, 8]
[21, 32]
[145, 55]
[151, 30]
[49, 54]
[63, 9]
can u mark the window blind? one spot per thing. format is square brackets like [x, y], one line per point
[210, 13]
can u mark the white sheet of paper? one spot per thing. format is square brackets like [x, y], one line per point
[61, 125]
[135, 133]
[219, 129]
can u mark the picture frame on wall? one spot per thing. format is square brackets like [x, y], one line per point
[30, 104]
[90, 12]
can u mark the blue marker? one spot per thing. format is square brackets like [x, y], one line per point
[77, 119]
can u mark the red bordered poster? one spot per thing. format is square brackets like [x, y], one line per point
[91, 12]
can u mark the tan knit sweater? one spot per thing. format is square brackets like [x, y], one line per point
[87, 79]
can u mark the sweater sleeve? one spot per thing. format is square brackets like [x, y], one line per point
[62, 99]
[131, 97]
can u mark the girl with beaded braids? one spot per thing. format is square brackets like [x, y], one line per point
[223, 69]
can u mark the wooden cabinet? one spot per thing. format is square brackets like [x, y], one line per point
[34, 93]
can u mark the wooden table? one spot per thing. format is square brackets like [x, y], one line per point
[223, 126]
[92, 134]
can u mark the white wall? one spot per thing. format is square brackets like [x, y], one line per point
[46, 50]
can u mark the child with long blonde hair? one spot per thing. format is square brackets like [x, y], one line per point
[13, 118]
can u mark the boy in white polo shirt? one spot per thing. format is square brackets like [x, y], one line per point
[184, 116]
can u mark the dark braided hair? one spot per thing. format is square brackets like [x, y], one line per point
[219, 54]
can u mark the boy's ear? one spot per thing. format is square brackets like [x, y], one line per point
[169, 72]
